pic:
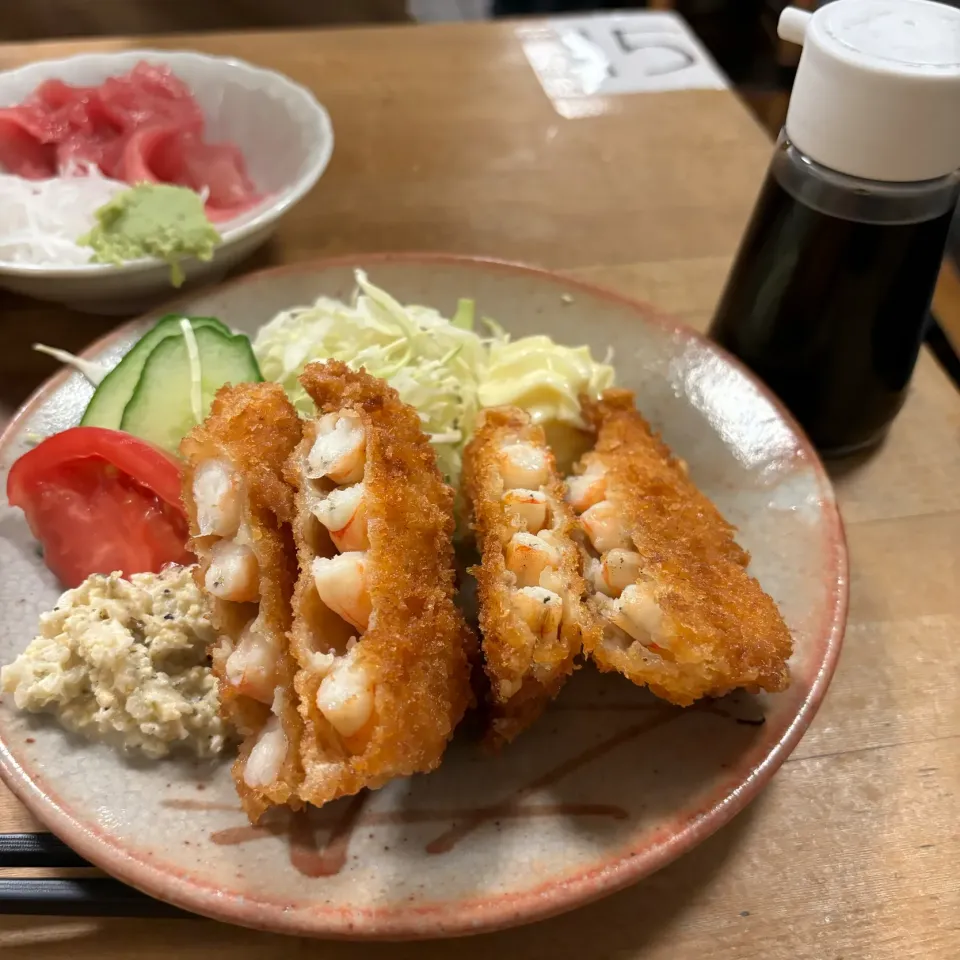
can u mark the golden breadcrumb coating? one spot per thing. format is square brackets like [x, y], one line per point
[705, 625]
[253, 428]
[414, 652]
[526, 661]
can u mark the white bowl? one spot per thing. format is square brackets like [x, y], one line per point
[284, 134]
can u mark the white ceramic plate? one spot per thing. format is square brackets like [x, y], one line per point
[608, 786]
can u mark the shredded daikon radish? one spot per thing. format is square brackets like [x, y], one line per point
[42, 218]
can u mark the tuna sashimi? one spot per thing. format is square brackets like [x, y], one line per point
[143, 126]
[158, 154]
[21, 152]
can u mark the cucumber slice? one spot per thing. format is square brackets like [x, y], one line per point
[160, 409]
[114, 391]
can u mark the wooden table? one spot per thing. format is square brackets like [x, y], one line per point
[445, 140]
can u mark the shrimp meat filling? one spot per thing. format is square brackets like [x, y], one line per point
[218, 497]
[345, 696]
[587, 489]
[523, 466]
[637, 614]
[527, 508]
[604, 528]
[541, 610]
[339, 450]
[267, 756]
[343, 513]
[614, 573]
[342, 585]
[529, 555]
[252, 665]
[233, 573]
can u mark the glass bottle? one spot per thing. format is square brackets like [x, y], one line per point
[830, 291]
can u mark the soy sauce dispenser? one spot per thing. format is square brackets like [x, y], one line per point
[830, 292]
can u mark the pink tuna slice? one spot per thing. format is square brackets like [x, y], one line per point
[21, 152]
[143, 127]
[164, 155]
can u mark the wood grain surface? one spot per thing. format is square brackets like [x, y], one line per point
[446, 141]
[43, 19]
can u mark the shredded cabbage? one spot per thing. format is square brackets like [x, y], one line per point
[435, 365]
[443, 368]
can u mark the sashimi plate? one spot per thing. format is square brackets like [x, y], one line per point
[248, 106]
[609, 786]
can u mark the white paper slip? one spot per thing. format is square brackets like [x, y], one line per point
[580, 59]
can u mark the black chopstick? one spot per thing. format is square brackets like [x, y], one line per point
[19, 850]
[941, 347]
[80, 898]
[75, 897]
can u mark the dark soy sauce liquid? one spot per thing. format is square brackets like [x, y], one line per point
[830, 312]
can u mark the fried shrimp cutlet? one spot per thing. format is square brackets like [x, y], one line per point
[240, 510]
[382, 648]
[680, 613]
[531, 592]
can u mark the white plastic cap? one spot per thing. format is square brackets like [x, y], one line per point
[877, 93]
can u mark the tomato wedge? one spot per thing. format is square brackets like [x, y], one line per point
[100, 500]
